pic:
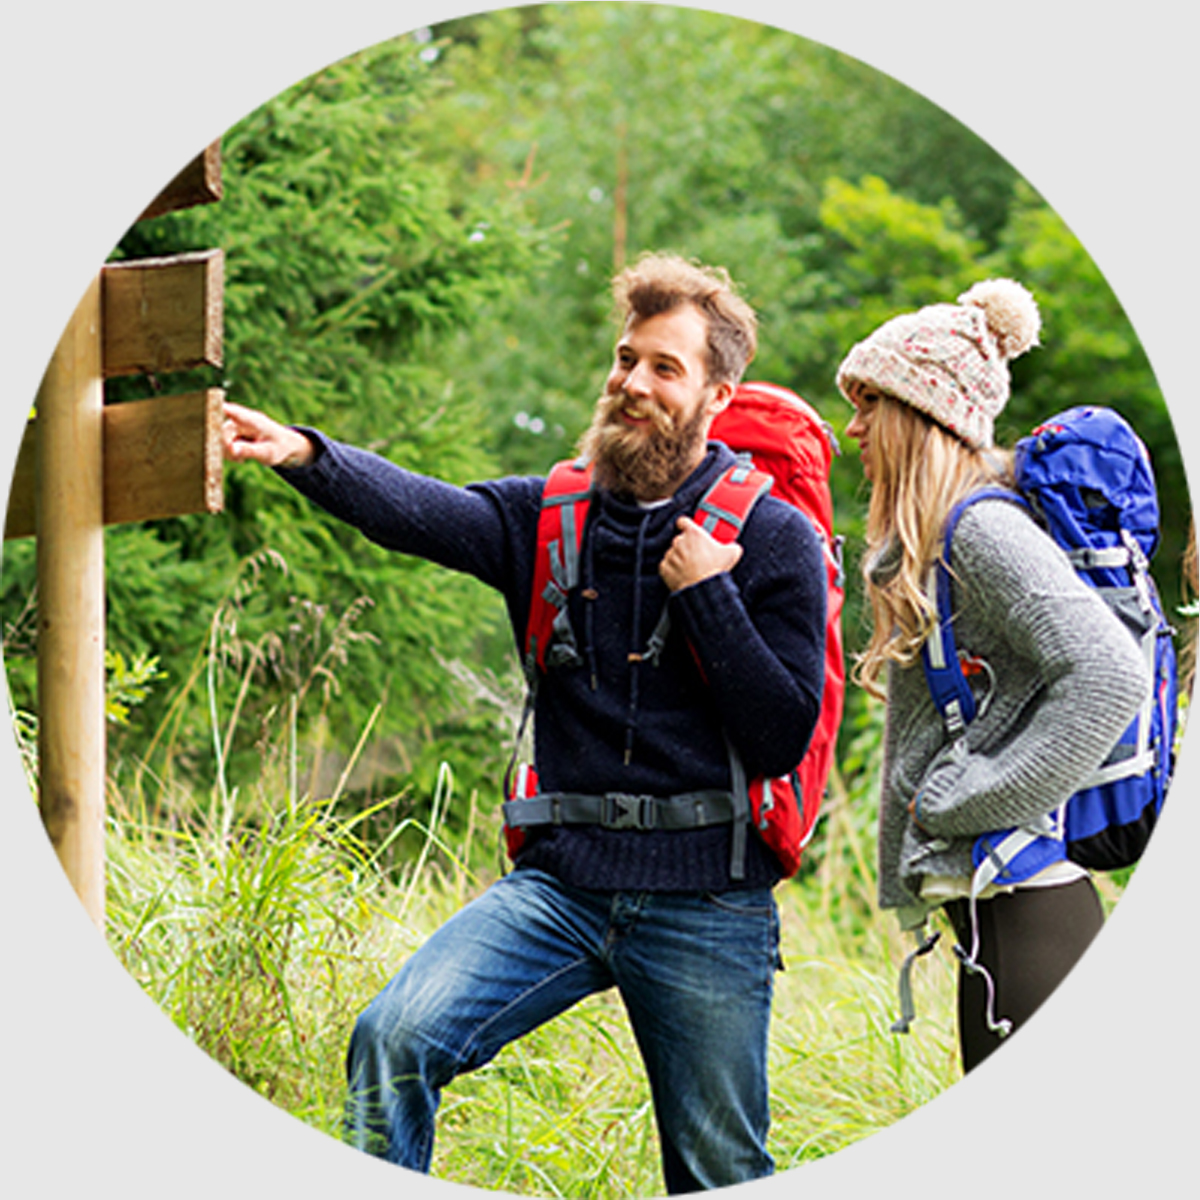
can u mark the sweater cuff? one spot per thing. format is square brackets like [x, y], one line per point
[319, 447]
[940, 795]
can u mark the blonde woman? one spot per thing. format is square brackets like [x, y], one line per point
[1062, 679]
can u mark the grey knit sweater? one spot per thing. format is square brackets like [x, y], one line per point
[1067, 679]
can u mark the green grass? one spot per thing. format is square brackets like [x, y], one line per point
[262, 931]
[262, 921]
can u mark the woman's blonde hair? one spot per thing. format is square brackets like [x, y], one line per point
[919, 471]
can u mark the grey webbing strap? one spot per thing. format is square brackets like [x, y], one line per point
[658, 637]
[570, 549]
[1139, 570]
[564, 571]
[564, 651]
[985, 873]
[1125, 768]
[713, 514]
[526, 714]
[621, 810]
[1092, 558]
[741, 812]
[935, 647]
[564, 574]
[1126, 762]
[908, 1010]
[970, 963]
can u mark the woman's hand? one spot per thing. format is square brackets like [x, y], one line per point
[914, 811]
[252, 436]
[695, 555]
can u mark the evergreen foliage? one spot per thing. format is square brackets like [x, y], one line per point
[348, 264]
[418, 241]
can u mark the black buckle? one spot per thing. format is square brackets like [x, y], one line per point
[623, 811]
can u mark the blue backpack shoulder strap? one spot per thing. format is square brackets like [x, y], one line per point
[939, 656]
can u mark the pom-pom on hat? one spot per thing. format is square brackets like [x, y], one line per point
[950, 360]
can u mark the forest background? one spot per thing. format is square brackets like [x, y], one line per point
[418, 245]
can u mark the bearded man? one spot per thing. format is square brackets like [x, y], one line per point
[593, 904]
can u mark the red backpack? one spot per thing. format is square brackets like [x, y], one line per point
[789, 440]
[783, 446]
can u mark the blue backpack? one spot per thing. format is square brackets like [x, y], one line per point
[1087, 478]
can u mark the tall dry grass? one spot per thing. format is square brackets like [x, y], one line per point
[262, 922]
[262, 919]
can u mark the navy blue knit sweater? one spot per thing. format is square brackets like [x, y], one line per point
[612, 724]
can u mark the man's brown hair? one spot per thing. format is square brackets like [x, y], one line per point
[659, 283]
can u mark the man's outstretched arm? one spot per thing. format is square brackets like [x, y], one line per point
[487, 530]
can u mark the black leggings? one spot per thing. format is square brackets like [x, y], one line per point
[1028, 941]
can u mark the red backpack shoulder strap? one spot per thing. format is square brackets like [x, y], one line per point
[726, 505]
[722, 512]
[565, 501]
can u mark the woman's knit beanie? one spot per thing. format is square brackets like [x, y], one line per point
[950, 361]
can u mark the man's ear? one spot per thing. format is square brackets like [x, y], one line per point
[719, 401]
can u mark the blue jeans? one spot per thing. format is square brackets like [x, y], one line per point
[696, 975]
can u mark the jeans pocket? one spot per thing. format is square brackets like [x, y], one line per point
[752, 917]
[753, 903]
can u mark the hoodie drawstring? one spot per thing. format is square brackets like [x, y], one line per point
[589, 595]
[635, 655]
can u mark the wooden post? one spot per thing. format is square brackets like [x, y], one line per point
[70, 574]
[82, 466]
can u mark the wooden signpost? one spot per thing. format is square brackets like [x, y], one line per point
[83, 465]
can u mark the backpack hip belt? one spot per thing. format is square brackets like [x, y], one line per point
[621, 810]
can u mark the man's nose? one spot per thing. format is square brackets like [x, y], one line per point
[637, 380]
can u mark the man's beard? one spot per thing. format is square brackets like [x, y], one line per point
[645, 464]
